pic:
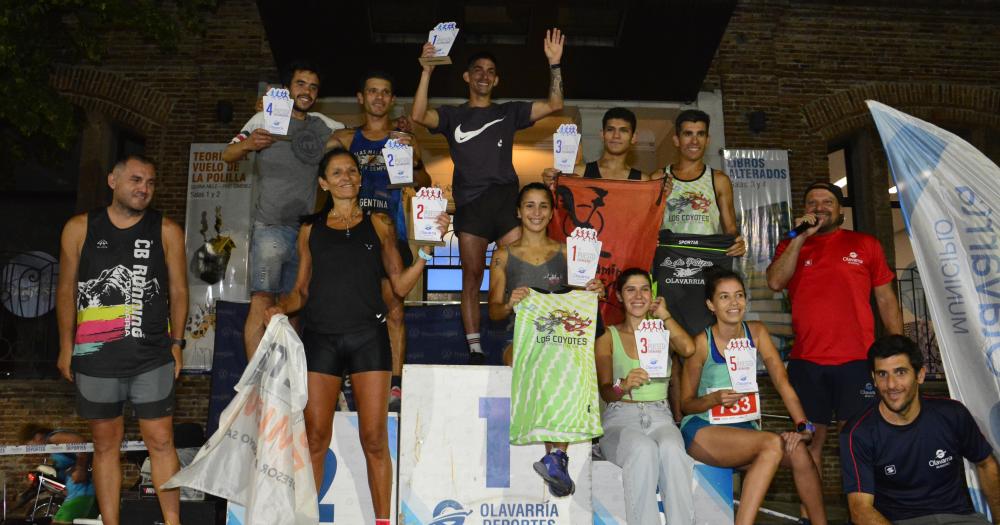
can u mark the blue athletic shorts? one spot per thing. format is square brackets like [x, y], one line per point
[691, 427]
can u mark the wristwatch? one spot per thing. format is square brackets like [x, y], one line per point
[617, 387]
[805, 425]
[179, 342]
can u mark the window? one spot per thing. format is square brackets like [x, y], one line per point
[444, 272]
[839, 165]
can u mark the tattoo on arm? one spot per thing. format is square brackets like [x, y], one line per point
[556, 84]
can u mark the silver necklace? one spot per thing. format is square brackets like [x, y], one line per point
[355, 212]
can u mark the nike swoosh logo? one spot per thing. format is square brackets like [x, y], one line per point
[465, 136]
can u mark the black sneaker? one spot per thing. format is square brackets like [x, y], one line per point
[477, 358]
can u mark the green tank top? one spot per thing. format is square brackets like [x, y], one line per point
[622, 364]
[715, 373]
[691, 207]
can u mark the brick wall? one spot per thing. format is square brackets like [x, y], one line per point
[170, 98]
[810, 65]
[807, 65]
[51, 403]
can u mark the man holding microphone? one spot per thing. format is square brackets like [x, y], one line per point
[830, 274]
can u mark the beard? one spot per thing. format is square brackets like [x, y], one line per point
[298, 107]
[833, 224]
[903, 407]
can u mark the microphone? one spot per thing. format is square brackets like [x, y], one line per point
[799, 230]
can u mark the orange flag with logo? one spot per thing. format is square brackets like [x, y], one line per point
[627, 217]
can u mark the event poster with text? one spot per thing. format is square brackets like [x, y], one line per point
[762, 198]
[217, 240]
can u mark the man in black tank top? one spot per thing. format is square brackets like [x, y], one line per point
[123, 278]
[618, 136]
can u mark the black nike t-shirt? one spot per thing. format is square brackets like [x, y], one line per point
[482, 144]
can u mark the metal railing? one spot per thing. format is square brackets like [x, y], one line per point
[917, 323]
[29, 342]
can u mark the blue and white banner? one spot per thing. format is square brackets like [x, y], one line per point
[25, 450]
[344, 497]
[762, 198]
[948, 191]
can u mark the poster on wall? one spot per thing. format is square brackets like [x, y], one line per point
[762, 197]
[217, 240]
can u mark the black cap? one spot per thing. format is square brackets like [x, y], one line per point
[830, 187]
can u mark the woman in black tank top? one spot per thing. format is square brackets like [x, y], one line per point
[343, 255]
[533, 261]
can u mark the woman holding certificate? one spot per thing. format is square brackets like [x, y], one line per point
[553, 386]
[633, 373]
[719, 396]
[343, 255]
[533, 261]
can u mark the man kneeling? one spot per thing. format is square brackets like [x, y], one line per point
[902, 458]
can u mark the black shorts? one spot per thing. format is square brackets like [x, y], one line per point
[151, 394]
[827, 390]
[490, 215]
[366, 350]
